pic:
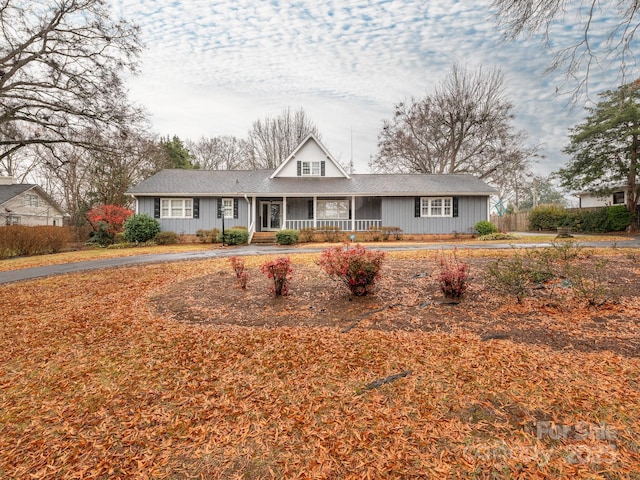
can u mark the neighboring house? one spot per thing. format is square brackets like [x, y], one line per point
[27, 204]
[311, 189]
[590, 199]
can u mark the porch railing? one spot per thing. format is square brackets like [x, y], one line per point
[345, 225]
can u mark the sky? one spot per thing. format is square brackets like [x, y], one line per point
[214, 67]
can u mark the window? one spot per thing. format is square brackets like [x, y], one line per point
[176, 208]
[227, 207]
[618, 198]
[333, 209]
[12, 220]
[436, 207]
[30, 200]
[311, 169]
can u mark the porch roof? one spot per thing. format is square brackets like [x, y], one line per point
[257, 183]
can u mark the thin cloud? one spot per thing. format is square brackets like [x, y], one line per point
[212, 68]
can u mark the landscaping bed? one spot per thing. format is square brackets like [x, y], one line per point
[173, 371]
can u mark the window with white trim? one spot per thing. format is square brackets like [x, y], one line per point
[333, 209]
[30, 200]
[176, 208]
[227, 207]
[311, 168]
[436, 206]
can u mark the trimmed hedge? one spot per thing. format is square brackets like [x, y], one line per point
[20, 240]
[234, 236]
[287, 237]
[600, 220]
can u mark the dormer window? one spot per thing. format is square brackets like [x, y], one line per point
[310, 169]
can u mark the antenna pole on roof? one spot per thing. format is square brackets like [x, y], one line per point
[351, 160]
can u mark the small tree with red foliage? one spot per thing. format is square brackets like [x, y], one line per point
[357, 267]
[107, 221]
[280, 271]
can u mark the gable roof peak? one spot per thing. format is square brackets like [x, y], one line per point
[326, 152]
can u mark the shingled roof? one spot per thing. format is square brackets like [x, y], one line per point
[258, 183]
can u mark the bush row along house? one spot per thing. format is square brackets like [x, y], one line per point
[311, 189]
[27, 204]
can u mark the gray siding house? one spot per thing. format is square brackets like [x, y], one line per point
[310, 189]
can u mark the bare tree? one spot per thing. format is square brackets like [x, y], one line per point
[605, 32]
[80, 178]
[60, 66]
[463, 127]
[273, 139]
[221, 153]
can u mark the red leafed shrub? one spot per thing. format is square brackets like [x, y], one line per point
[113, 216]
[357, 267]
[454, 276]
[280, 271]
[237, 263]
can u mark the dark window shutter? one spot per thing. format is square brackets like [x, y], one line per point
[196, 208]
[455, 206]
[310, 209]
[322, 169]
[235, 208]
[219, 208]
[299, 168]
[417, 212]
[156, 208]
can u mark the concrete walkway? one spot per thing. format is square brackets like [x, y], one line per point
[248, 250]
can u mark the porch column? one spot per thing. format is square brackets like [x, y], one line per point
[315, 211]
[353, 213]
[284, 213]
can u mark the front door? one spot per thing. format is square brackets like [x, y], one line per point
[270, 215]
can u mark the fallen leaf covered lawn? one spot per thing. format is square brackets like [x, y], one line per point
[95, 384]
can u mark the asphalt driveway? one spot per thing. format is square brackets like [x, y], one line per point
[247, 250]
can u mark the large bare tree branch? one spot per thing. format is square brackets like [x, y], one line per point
[60, 67]
[606, 34]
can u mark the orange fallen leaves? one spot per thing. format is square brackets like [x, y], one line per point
[94, 384]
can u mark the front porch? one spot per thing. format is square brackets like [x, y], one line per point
[350, 214]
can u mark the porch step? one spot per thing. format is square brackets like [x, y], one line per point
[264, 238]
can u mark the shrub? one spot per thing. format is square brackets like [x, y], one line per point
[287, 237]
[592, 221]
[510, 276]
[590, 284]
[484, 227]
[357, 267]
[454, 276]
[234, 236]
[306, 234]
[242, 276]
[102, 235]
[166, 238]
[619, 218]
[331, 234]
[280, 271]
[20, 240]
[549, 217]
[140, 228]
[208, 236]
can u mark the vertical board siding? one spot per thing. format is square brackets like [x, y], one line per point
[208, 216]
[400, 212]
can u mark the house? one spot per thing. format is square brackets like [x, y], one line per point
[591, 199]
[311, 189]
[27, 204]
